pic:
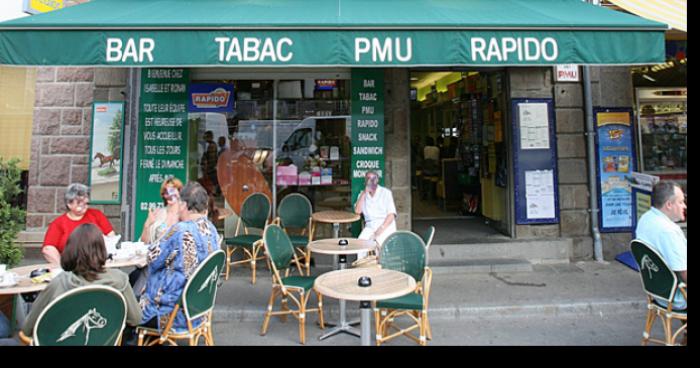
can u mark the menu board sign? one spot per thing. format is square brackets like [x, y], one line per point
[162, 137]
[367, 132]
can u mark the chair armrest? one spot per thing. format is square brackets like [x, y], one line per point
[24, 339]
[683, 289]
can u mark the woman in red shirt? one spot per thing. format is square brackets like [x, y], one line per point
[77, 213]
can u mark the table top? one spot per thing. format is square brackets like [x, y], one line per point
[335, 217]
[386, 284]
[330, 246]
[25, 285]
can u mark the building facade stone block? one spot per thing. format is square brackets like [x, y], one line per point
[54, 171]
[54, 95]
[575, 223]
[41, 200]
[572, 171]
[570, 120]
[70, 74]
[70, 145]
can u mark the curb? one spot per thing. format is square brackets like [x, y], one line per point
[601, 308]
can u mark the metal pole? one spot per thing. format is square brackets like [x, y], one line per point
[590, 142]
[366, 336]
[275, 85]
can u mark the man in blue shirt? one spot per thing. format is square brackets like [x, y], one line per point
[658, 228]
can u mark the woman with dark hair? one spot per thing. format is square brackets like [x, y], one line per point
[174, 259]
[83, 262]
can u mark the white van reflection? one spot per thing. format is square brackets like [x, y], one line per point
[296, 139]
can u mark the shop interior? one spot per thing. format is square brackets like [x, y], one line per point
[311, 150]
[459, 149]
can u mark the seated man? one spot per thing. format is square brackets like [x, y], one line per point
[658, 228]
[376, 204]
[173, 260]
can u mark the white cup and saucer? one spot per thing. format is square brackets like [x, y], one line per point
[7, 278]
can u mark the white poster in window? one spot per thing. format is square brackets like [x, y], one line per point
[539, 194]
[534, 126]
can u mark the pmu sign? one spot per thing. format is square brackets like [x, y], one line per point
[567, 73]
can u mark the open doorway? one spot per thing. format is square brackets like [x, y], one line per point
[459, 154]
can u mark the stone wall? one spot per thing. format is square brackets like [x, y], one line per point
[613, 87]
[61, 137]
[397, 146]
[571, 151]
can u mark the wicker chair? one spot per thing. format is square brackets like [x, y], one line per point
[659, 282]
[92, 315]
[294, 212]
[281, 253]
[405, 251]
[197, 301]
[255, 213]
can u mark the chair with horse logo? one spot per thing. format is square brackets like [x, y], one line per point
[659, 283]
[197, 301]
[92, 315]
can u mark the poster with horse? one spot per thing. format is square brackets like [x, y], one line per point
[105, 152]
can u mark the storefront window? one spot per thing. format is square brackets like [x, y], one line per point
[232, 152]
[663, 129]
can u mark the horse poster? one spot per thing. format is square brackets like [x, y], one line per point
[105, 152]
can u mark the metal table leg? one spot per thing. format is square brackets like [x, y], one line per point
[343, 325]
[365, 310]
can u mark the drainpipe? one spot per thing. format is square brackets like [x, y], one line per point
[590, 143]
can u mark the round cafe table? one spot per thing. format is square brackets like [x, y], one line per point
[340, 253]
[386, 284]
[25, 284]
[333, 217]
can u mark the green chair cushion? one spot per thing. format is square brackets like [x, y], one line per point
[305, 282]
[412, 301]
[300, 241]
[243, 240]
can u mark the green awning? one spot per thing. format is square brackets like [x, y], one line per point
[282, 33]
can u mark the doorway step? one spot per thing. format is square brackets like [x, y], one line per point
[504, 256]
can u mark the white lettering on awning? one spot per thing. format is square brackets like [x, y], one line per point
[254, 49]
[116, 51]
[510, 48]
[385, 50]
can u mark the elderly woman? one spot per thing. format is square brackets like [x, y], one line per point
[77, 199]
[173, 260]
[159, 220]
[83, 262]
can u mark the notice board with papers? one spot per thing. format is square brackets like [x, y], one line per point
[535, 162]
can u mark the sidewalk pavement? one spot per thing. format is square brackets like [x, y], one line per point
[585, 303]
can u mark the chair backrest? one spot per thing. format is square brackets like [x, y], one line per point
[427, 237]
[92, 315]
[294, 211]
[255, 211]
[658, 280]
[279, 247]
[404, 251]
[199, 294]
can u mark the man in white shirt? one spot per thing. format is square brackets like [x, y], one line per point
[658, 228]
[376, 204]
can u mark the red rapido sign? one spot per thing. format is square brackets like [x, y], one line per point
[216, 98]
